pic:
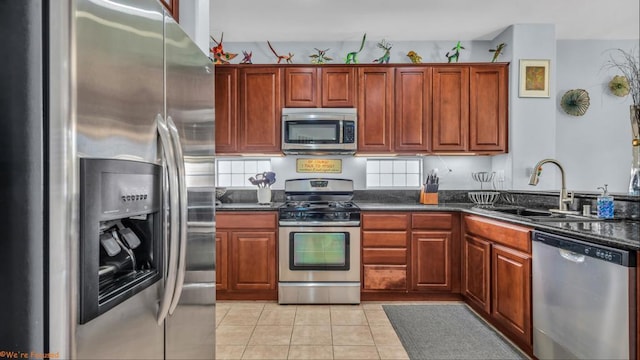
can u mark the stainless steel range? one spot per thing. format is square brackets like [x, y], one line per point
[319, 243]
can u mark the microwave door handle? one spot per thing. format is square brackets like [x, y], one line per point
[171, 272]
[182, 191]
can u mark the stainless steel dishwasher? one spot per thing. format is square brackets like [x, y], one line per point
[583, 299]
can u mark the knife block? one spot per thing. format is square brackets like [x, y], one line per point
[428, 198]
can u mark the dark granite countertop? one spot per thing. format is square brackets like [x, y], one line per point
[624, 234]
[248, 206]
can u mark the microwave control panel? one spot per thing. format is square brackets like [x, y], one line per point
[349, 136]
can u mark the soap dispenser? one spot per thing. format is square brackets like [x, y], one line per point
[605, 204]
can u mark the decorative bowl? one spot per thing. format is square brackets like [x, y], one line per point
[484, 198]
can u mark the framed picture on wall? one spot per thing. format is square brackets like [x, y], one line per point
[534, 78]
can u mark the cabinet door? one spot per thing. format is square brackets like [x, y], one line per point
[253, 260]
[302, 87]
[375, 109]
[511, 287]
[226, 101]
[222, 260]
[488, 108]
[412, 109]
[384, 277]
[338, 87]
[450, 108]
[260, 109]
[431, 261]
[476, 262]
[172, 7]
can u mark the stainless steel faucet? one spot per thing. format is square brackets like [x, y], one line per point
[565, 198]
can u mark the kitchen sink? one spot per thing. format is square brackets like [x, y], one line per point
[547, 216]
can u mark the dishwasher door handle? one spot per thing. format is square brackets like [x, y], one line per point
[571, 256]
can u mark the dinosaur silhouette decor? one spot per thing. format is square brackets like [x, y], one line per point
[287, 58]
[219, 56]
[352, 57]
[246, 59]
[414, 57]
[456, 52]
[497, 51]
[321, 57]
[384, 59]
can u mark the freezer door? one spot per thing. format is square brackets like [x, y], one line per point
[190, 327]
[118, 89]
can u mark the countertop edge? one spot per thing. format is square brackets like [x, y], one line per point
[625, 242]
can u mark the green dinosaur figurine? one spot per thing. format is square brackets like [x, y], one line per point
[352, 57]
[497, 51]
[456, 54]
[384, 59]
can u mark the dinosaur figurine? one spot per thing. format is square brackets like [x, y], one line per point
[497, 51]
[321, 57]
[387, 52]
[287, 58]
[219, 56]
[352, 57]
[246, 57]
[456, 54]
[414, 57]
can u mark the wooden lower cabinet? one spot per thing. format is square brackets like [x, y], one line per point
[246, 251]
[431, 260]
[384, 252]
[410, 255]
[253, 260]
[497, 275]
[511, 282]
[476, 275]
[222, 256]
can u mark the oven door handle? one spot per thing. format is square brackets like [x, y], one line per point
[319, 223]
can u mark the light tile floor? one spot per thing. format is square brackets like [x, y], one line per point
[266, 330]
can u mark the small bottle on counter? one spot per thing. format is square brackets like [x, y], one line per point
[605, 204]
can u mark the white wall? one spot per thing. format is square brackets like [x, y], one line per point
[194, 19]
[595, 147]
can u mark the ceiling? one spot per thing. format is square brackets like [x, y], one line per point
[415, 20]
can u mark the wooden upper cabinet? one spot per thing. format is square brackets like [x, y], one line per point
[375, 109]
[302, 87]
[173, 7]
[450, 108]
[319, 87]
[260, 109]
[488, 108]
[226, 102]
[338, 87]
[412, 109]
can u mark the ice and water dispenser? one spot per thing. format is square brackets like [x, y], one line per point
[120, 232]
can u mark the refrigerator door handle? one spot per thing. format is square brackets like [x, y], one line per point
[182, 190]
[170, 283]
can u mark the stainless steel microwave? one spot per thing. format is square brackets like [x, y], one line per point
[319, 131]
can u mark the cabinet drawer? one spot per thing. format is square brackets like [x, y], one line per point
[246, 220]
[385, 277]
[432, 221]
[385, 239]
[384, 256]
[385, 221]
[513, 236]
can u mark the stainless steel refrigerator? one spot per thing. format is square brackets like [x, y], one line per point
[107, 183]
